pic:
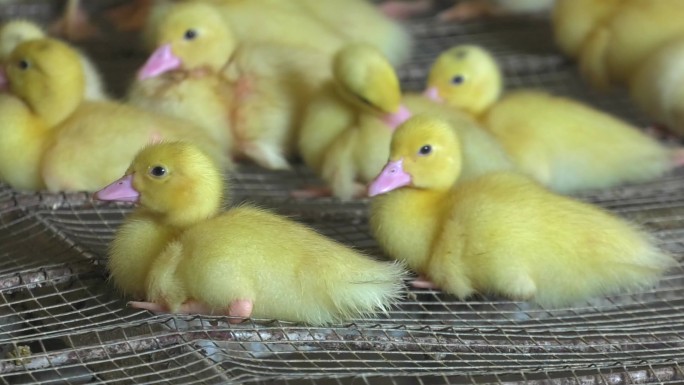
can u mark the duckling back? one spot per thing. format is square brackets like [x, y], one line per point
[107, 136]
[569, 146]
[528, 243]
[287, 270]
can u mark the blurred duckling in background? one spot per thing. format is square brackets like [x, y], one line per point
[253, 95]
[14, 32]
[86, 143]
[501, 233]
[242, 262]
[560, 142]
[320, 25]
[574, 20]
[625, 34]
[658, 86]
[183, 77]
[361, 21]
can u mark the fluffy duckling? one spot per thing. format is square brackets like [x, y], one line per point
[253, 94]
[181, 253]
[574, 20]
[500, 233]
[272, 21]
[558, 141]
[658, 86]
[612, 51]
[17, 31]
[87, 143]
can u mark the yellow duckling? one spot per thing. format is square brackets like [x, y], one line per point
[253, 94]
[574, 20]
[560, 142]
[181, 253]
[658, 86]
[348, 124]
[613, 50]
[346, 133]
[259, 21]
[86, 143]
[14, 32]
[500, 233]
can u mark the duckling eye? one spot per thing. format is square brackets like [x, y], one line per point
[158, 171]
[425, 150]
[190, 34]
[23, 64]
[458, 79]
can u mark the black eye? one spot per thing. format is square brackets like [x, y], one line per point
[425, 150]
[23, 64]
[461, 54]
[190, 34]
[458, 79]
[158, 171]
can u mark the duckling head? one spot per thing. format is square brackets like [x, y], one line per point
[425, 153]
[366, 78]
[48, 76]
[466, 77]
[175, 180]
[15, 32]
[189, 36]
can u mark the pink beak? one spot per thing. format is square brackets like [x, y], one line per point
[397, 118]
[120, 191]
[432, 93]
[391, 177]
[162, 60]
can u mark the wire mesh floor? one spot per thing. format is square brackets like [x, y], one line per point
[61, 322]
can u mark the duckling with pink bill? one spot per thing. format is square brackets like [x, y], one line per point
[499, 233]
[182, 254]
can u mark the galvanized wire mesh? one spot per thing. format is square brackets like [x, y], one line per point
[61, 322]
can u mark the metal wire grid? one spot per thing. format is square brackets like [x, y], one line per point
[54, 298]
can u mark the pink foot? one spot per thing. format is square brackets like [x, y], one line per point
[404, 9]
[240, 308]
[423, 283]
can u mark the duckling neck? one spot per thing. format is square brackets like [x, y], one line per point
[57, 105]
[193, 211]
[405, 223]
